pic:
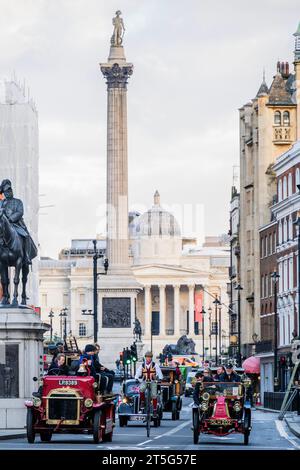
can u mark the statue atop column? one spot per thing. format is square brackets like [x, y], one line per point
[119, 28]
[17, 248]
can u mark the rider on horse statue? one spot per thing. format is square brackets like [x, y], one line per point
[17, 249]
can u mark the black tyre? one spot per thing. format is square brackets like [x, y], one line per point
[247, 426]
[179, 404]
[177, 415]
[123, 421]
[98, 432]
[174, 410]
[156, 421]
[46, 436]
[29, 426]
[196, 426]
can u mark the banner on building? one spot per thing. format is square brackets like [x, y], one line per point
[198, 306]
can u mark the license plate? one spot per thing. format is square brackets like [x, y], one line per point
[137, 418]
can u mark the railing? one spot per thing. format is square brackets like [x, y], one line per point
[281, 135]
[264, 346]
[273, 400]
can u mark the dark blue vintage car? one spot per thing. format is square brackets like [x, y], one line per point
[129, 408]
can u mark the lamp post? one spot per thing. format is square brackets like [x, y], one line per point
[239, 355]
[63, 316]
[216, 302]
[209, 311]
[94, 312]
[51, 315]
[275, 276]
[203, 312]
[220, 332]
[297, 224]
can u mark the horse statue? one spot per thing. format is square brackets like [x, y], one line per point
[17, 248]
[137, 330]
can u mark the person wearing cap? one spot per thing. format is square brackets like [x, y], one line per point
[231, 375]
[14, 211]
[148, 370]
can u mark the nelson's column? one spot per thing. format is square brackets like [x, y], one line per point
[118, 290]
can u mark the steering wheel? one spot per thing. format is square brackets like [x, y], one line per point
[54, 371]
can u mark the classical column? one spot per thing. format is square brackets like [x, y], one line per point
[177, 310]
[191, 309]
[148, 311]
[162, 310]
[117, 71]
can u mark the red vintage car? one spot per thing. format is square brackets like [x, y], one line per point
[224, 408]
[70, 404]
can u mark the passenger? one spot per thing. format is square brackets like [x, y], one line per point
[178, 374]
[231, 375]
[106, 373]
[148, 371]
[59, 366]
[199, 380]
[88, 359]
[220, 375]
[207, 375]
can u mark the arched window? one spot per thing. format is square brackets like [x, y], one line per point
[286, 118]
[290, 185]
[297, 176]
[280, 190]
[277, 118]
[284, 188]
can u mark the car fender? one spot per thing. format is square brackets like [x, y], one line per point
[28, 403]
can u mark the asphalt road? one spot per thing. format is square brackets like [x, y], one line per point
[267, 434]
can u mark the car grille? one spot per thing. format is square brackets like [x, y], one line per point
[63, 406]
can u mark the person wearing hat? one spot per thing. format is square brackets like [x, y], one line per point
[148, 370]
[231, 375]
[13, 209]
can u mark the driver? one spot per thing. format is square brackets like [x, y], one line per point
[59, 366]
[148, 370]
[231, 375]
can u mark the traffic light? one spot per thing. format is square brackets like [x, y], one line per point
[133, 352]
[121, 357]
[126, 356]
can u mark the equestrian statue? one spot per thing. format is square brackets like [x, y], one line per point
[17, 249]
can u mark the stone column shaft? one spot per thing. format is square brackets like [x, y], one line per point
[148, 310]
[162, 310]
[177, 310]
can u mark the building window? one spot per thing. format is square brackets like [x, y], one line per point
[277, 118]
[286, 118]
[262, 287]
[270, 244]
[291, 273]
[290, 227]
[285, 230]
[280, 232]
[290, 185]
[280, 190]
[284, 196]
[82, 329]
[262, 247]
[297, 176]
[65, 300]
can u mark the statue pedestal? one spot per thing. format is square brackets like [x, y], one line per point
[140, 349]
[21, 359]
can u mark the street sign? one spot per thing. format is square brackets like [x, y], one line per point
[295, 348]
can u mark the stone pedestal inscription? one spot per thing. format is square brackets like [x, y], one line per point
[116, 312]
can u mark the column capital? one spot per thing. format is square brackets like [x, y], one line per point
[147, 286]
[116, 76]
[176, 286]
[162, 286]
[191, 286]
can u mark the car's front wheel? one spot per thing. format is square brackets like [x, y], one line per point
[29, 426]
[196, 425]
[98, 432]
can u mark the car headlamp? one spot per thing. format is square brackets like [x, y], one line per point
[95, 385]
[205, 396]
[88, 402]
[237, 406]
[36, 401]
[204, 406]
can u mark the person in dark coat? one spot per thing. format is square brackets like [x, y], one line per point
[231, 375]
[104, 371]
[59, 366]
[199, 380]
[220, 375]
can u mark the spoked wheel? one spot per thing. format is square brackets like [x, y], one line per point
[98, 432]
[196, 426]
[148, 412]
[247, 425]
[29, 426]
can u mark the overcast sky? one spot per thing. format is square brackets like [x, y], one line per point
[195, 63]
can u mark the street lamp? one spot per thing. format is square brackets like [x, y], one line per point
[203, 312]
[63, 315]
[297, 224]
[220, 330]
[209, 311]
[275, 276]
[94, 312]
[239, 355]
[51, 315]
[216, 302]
